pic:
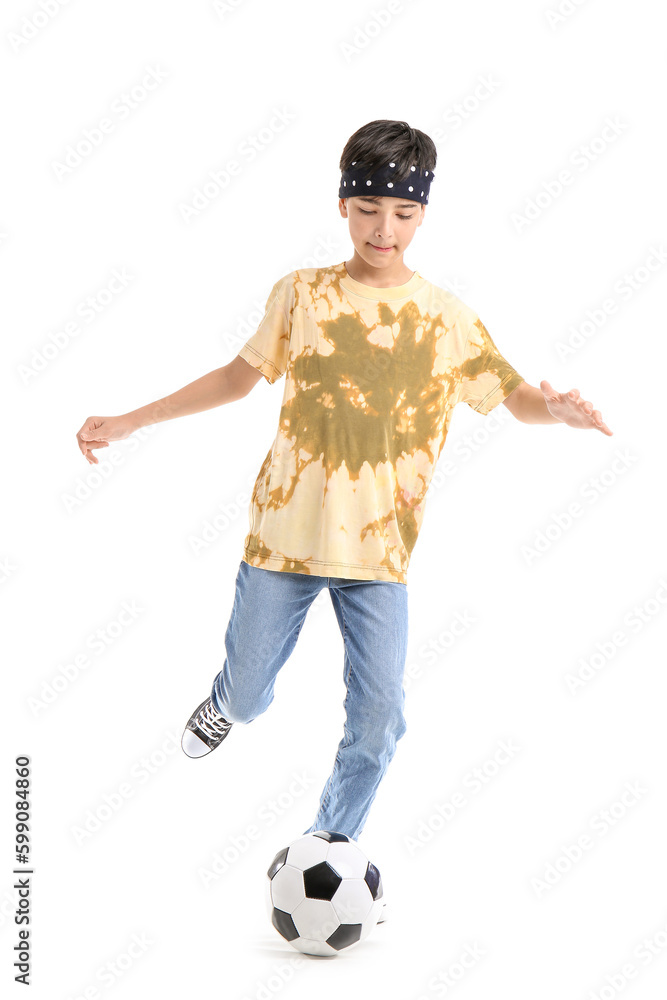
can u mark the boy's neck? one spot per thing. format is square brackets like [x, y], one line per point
[378, 277]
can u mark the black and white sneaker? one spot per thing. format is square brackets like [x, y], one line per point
[205, 730]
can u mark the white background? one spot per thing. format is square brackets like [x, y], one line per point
[76, 547]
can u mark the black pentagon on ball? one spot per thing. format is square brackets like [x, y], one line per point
[373, 880]
[284, 924]
[331, 836]
[277, 862]
[321, 881]
[344, 936]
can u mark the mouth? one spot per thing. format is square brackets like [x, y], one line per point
[381, 249]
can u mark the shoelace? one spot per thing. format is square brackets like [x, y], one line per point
[211, 722]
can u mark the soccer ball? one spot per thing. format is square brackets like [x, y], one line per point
[323, 894]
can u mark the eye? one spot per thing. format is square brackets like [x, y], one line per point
[364, 212]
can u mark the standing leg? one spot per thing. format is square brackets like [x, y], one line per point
[373, 619]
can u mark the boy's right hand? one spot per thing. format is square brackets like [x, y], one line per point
[96, 432]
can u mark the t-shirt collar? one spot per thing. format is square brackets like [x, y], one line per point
[403, 291]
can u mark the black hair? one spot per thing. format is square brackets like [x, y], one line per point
[384, 141]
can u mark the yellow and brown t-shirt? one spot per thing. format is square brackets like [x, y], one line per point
[371, 378]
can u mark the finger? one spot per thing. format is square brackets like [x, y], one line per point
[87, 453]
[92, 429]
[601, 424]
[548, 389]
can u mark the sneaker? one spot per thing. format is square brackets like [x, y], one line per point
[205, 730]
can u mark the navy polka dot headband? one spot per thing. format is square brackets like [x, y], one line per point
[414, 187]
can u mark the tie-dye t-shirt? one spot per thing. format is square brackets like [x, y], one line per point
[371, 378]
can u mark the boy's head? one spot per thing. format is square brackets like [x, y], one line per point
[391, 155]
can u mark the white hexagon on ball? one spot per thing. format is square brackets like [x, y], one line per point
[315, 918]
[287, 888]
[352, 901]
[307, 851]
[347, 859]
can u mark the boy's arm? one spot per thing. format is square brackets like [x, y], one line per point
[526, 403]
[223, 385]
[543, 405]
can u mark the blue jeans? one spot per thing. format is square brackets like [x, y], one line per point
[269, 610]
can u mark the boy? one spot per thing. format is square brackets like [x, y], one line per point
[375, 358]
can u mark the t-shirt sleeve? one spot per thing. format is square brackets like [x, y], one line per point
[486, 377]
[267, 349]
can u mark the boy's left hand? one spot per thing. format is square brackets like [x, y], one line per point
[572, 409]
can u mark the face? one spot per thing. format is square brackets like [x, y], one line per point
[381, 222]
